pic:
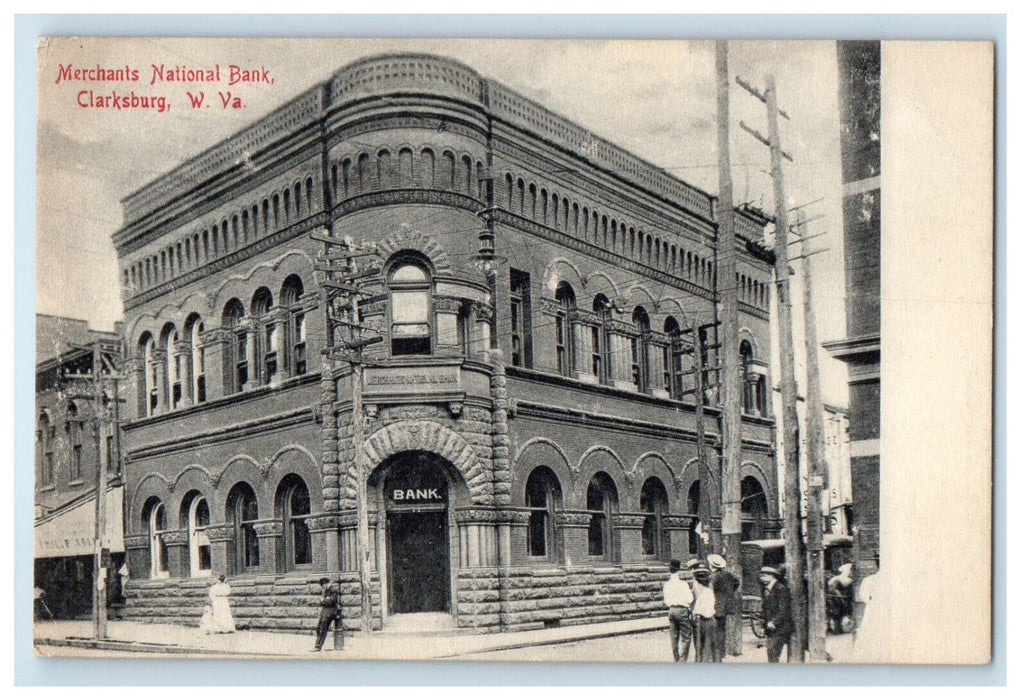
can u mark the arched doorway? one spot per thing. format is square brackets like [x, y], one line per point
[415, 491]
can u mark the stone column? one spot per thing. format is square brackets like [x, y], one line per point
[447, 332]
[482, 317]
[177, 542]
[252, 366]
[582, 324]
[621, 335]
[324, 529]
[269, 539]
[501, 466]
[678, 527]
[574, 527]
[628, 536]
[159, 362]
[654, 345]
[137, 555]
[373, 315]
[221, 538]
[214, 342]
[135, 370]
[280, 317]
[184, 360]
[477, 528]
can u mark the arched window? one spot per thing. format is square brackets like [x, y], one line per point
[601, 339]
[410, 287]
[641, 321]
[45, 440]
[198, 519]
[265, 334]
[520, 319]
[294, 505]
[543, 498]
[656, 540]
[156, 523]
[147, 346]
[565, 337]
[601, 500]
[242, 512]
[674, 372]
[173, 367]
[236, 368]
[197, 359]
[73, 429]
[296, 327]
[749, 399]
[754, 509]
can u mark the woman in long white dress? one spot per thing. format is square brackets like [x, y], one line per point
[221, 610]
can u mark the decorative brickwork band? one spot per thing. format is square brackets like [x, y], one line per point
[679, 522]
[348, 519]
[268, 529]
[626, 521]
[322, 523]
[569, 518]
[490, 515]
[175, 538]
[221, 533]
[446, 304]
[137, 541]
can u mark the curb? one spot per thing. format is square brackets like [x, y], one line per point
[148, 648]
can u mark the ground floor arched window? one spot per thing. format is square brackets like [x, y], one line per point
[294, 505]
[754, 509]
[542, 497]
[653, 502]
[601, 503]
[242, 510]
[157, 524]
[199, 519]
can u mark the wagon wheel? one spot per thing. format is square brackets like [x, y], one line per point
[757, 625]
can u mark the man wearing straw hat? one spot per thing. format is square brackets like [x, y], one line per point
[777, 612]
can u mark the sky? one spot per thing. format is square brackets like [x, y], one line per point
[656, 99]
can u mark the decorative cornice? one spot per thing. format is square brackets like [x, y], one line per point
[369, 200]
[550, 306]
[583, 317]
[622, 328]
[652, 337]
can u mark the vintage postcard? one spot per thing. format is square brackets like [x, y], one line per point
[514, 350]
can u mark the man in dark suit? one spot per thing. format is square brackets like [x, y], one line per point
[726, 590]
[777, 612]
[329, 611]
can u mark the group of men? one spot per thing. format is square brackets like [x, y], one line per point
[700, 598]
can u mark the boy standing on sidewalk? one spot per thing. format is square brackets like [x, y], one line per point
[329, 611]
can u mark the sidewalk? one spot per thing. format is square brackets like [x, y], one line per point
[166, 640]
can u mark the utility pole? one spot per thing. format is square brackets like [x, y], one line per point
[341, 281]
[815, 463]
[100, 553]
[698, 351]
[101, 415]
[790, 421]
[728, 298]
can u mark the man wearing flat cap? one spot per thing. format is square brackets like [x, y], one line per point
[329, 611]
[777, 612]
[726, 600]
[703, 609]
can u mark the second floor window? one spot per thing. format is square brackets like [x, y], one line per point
[409, 306]
[520, 319]
[565, 335]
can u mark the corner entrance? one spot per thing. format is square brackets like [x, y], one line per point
[416, 499]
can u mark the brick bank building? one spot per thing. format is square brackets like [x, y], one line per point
[530, 440]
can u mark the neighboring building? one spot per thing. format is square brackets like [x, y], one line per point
[531, 444]
[837, 496]
[66, 465]
[860, 115]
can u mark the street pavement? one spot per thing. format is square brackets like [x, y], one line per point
[640, 640]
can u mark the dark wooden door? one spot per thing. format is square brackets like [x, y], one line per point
[419, 562]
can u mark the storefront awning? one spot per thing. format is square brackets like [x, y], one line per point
[69, 531]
